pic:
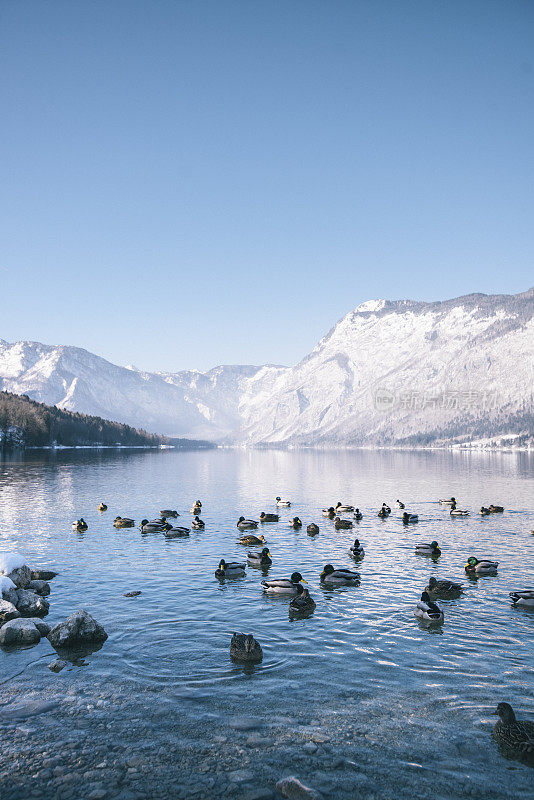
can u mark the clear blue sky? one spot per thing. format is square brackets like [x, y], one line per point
[185, 184]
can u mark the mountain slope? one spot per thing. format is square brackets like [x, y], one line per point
[74, 379]
[389, 371]
[392, 370]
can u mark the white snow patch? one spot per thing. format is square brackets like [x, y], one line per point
[11, 561]
[370, 305]
[6, 585]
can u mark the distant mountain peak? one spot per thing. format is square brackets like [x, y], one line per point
[388, 371]
[370, 306]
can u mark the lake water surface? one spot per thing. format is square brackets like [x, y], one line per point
[358, 700]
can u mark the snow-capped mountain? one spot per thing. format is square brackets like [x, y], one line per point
[194, 404]
[388, 371]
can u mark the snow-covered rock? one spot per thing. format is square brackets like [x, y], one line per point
[7, 588]
[18, 632]
[78, 630]
[13, 566]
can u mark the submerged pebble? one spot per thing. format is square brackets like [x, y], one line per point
[57, 665]
[293, 789]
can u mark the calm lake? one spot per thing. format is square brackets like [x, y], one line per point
[358, 700]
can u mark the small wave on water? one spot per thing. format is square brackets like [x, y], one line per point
[358, 682]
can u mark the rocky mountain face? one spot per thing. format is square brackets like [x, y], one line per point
[389, 371]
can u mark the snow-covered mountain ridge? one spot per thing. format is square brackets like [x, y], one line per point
[388, 371]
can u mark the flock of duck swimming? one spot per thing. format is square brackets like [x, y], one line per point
[515, 737]
[301, 603]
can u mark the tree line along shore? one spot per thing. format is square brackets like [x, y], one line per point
[28, 423]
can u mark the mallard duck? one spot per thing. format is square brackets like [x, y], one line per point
[342, 524]
[123, 522]
[484, 566]
[245, 649]
[174, 533]
[312, 529]
[523, 598]
[511, 734]
[400, 505]
[229, 569]
[102, 507]
[268, 517]
[338, 577]
[431, 549]
[167, 512]
[282, 503]
[496, 509]
[246, 524]
[262, 559]
[358, 514]
[385, 511]
[302, 604]
[341, 509]
[446, 590]
[329, 512]
[428, 611]
[458, 512]
[285, 585]
[357, 550]
[249, 539]
[450, 502]
[152, 527]
[484, 511]
[295, 523]
[197, 508]
[407, 518]
[197, 524]
[80, 525]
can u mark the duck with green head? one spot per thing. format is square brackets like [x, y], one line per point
[261, 559]
[431, 549]
[229, 569]
[291, 586]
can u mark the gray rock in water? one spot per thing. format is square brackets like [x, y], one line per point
[21, 577]
[245, 649]
[57, 665]
[43, 574]
[295, 790]
[78, 630]
[39, 587]
[42, 627]
[19, 631]
[7, 611]
[30, 604]
[132, 594]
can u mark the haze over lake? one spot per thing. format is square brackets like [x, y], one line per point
[357, 698]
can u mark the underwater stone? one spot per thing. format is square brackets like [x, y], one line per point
[293, 789]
